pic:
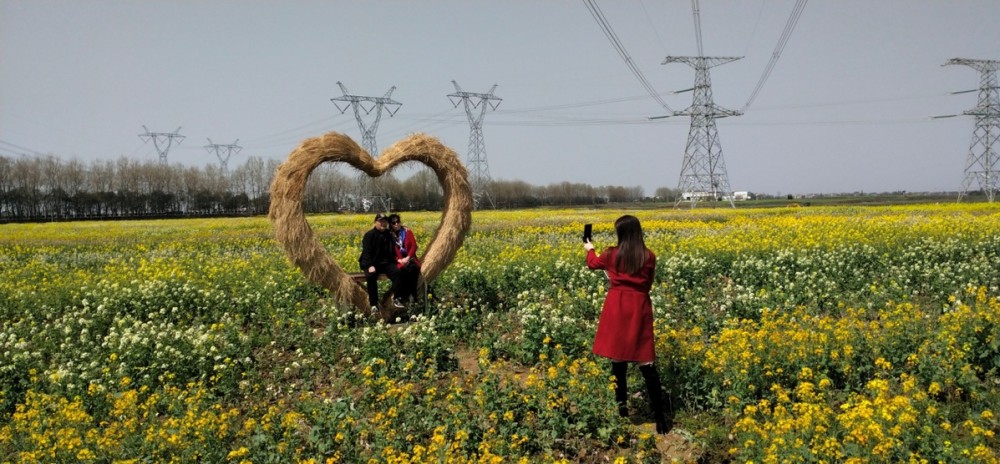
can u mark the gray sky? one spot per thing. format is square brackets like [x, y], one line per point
[847, 107]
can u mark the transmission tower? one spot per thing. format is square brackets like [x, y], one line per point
[476, 105]
[162, 141]
[703, 171]
[219, 149]
[370, 191]
[981, 164]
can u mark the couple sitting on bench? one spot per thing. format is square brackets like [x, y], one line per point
[389, 248]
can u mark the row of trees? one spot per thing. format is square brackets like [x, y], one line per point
[47, 188]
[42, 188]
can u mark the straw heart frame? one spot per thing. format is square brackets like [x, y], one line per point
[305, 250]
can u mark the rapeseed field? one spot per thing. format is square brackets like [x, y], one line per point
[811, 334]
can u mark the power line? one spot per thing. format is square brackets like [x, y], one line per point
[753, 33]
[572, 105]
[9, 152]
[568, 121]
[841, 122]
[287, 134]
[867, 101]
[418, 121]
[696, 10]
[793, 19]
[581, 122]
[559, 120]
[609, 32]
[652, 26]
[25, 149]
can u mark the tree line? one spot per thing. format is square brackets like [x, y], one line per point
[43, 188]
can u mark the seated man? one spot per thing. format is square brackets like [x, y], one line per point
[405, 245]
[378, 257]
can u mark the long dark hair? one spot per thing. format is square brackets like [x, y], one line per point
[631, 254]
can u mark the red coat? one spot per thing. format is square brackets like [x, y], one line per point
[410, 243]
[625, 330]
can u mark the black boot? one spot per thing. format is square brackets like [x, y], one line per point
[655, 396]
[620, 369]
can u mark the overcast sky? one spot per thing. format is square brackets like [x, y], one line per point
[846, 108]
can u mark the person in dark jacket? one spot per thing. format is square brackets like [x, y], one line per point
[378, 257]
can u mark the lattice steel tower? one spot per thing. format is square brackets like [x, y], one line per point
[981, 164]
[370, 191]
[703, 171]
[219, 149]
[475, 108]
[162, 141]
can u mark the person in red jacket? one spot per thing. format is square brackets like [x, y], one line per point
[406, 258]
[625, 329]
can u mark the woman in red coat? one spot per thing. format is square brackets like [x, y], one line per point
[406, 260]
[625, 330]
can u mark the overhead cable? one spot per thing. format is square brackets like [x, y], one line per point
[572, 105]
[609, 32]
[793, 19]
[697, 26]
[20, 149]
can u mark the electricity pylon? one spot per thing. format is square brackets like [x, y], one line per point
[219, 149]
[370, 191]
[981, 164]
[475, 108]
[703, 171]
[164, 138]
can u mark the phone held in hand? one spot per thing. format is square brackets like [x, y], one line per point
[587, 232]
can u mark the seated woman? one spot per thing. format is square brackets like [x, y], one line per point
[406, 259]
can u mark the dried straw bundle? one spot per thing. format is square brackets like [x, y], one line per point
[301, 245]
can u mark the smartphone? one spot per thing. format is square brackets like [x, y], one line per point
[587, 232]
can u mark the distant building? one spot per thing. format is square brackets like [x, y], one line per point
[737, 196]
[698, 195]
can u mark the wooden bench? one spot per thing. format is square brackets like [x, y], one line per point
[359, 277]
